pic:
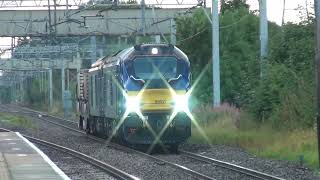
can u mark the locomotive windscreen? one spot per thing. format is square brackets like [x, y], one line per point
[158, 71]
[155, 67]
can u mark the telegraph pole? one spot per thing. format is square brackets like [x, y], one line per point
[263, 36]
[215, 53]
[317, 12]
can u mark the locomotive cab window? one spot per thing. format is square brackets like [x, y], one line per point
[155, 67]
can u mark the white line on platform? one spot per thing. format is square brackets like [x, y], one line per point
[45, 157]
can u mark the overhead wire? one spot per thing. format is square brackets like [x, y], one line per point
[205, 28]
[192, 36]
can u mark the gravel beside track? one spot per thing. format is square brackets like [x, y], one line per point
[74, 168]
[283, 169]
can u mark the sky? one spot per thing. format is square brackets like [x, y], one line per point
[274, 10]
[274, 7]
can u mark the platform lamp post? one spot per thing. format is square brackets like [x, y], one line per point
[317, 35]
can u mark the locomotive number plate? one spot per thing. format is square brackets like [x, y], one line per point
[160, 101]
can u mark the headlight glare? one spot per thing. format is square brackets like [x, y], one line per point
[181, 102]
[133, 104]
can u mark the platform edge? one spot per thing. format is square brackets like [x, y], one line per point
[45, 157]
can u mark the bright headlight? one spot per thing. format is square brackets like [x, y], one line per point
[133, 104]
[181, 102]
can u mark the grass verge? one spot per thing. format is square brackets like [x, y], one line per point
[16, 120]
[227, 127]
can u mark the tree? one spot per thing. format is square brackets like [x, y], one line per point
[285, 97]
[239, 48]
[227, 5]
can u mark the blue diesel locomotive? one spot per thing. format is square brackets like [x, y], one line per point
[139, 95]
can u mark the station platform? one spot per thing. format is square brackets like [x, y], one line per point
[22, 160]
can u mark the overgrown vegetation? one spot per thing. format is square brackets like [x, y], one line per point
[285, 96]
[277, 108]
[227, 125]
[20, 121]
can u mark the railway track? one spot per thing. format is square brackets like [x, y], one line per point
[117, 173]
[233, 167]
[230, 166]
[160, 161]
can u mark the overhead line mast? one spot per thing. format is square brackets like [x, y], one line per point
[215, 53]
[317, 33]
[263, 37]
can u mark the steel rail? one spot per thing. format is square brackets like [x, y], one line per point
[230, 166]
[46, 114]
[183, 168]
[117, 173]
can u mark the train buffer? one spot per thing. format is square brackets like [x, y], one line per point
[20, 159]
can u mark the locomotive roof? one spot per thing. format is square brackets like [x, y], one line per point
[141, 49]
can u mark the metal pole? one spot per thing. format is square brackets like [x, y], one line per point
[93, 49]
[307, 11]
[40, 83]
[173, 31]
[21, 90]
[215, 53]
[50, 89]
[67, 15]
[317, 12]
[67, 7]
[143, 10]
[104, 44]
[68, 80]
[55, 15]
[283, 11]
[263, 36]
[62, 81]
[49, 18]
[157, 39]
[119, 42]
[78, 77]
